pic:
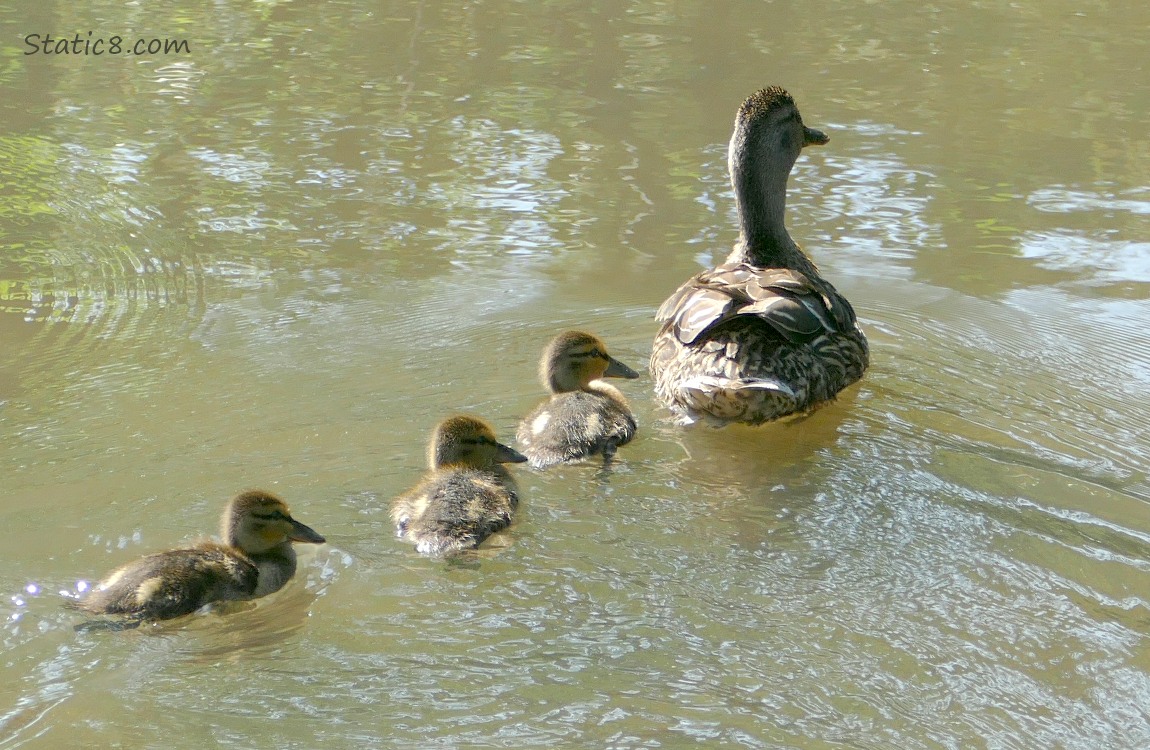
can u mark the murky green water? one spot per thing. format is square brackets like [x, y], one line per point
[277, 260]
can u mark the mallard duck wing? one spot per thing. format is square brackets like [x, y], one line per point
[797, 307]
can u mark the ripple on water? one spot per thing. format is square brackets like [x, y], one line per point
[1106, 261]
[1065, 200]
[121, 674]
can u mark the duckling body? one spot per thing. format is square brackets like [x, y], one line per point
[466, 495]
[763, 335]
[584, 416]
[256, 559]
[174, 583]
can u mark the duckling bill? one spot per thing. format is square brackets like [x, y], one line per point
[255, 559]
[466, 495]
[762, 335]
[584, 416]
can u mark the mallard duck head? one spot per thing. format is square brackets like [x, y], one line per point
[468, 441]
[257, 521]
[768, 125]
[575, 358]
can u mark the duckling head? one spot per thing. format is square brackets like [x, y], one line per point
[257, 521]
[575, 358]
[468, 441]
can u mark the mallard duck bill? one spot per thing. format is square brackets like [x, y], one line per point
[812, 137]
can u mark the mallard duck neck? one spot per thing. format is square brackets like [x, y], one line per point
[761, 200]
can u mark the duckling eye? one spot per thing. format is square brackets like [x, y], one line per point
[275, 515]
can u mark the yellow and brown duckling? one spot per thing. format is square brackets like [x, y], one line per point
[584, 416]
[466, 496]
[255, 559]
[762, 335]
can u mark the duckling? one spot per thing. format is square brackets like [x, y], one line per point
[255, 559]
[584, 416]
[466, 496]
[763, 335]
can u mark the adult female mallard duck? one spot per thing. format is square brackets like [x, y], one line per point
[255, 559]
[584, 416]
[466, 496]
[762, 335]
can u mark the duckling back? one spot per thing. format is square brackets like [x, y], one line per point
[576, 425]
[174, 583]
[466, 496]
[455, 509]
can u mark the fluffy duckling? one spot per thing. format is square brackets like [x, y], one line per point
[466, 496]
[255, 559]
[584, 416]
[762, 335]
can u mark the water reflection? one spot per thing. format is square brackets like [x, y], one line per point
[1122, 262]
[179, 80]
